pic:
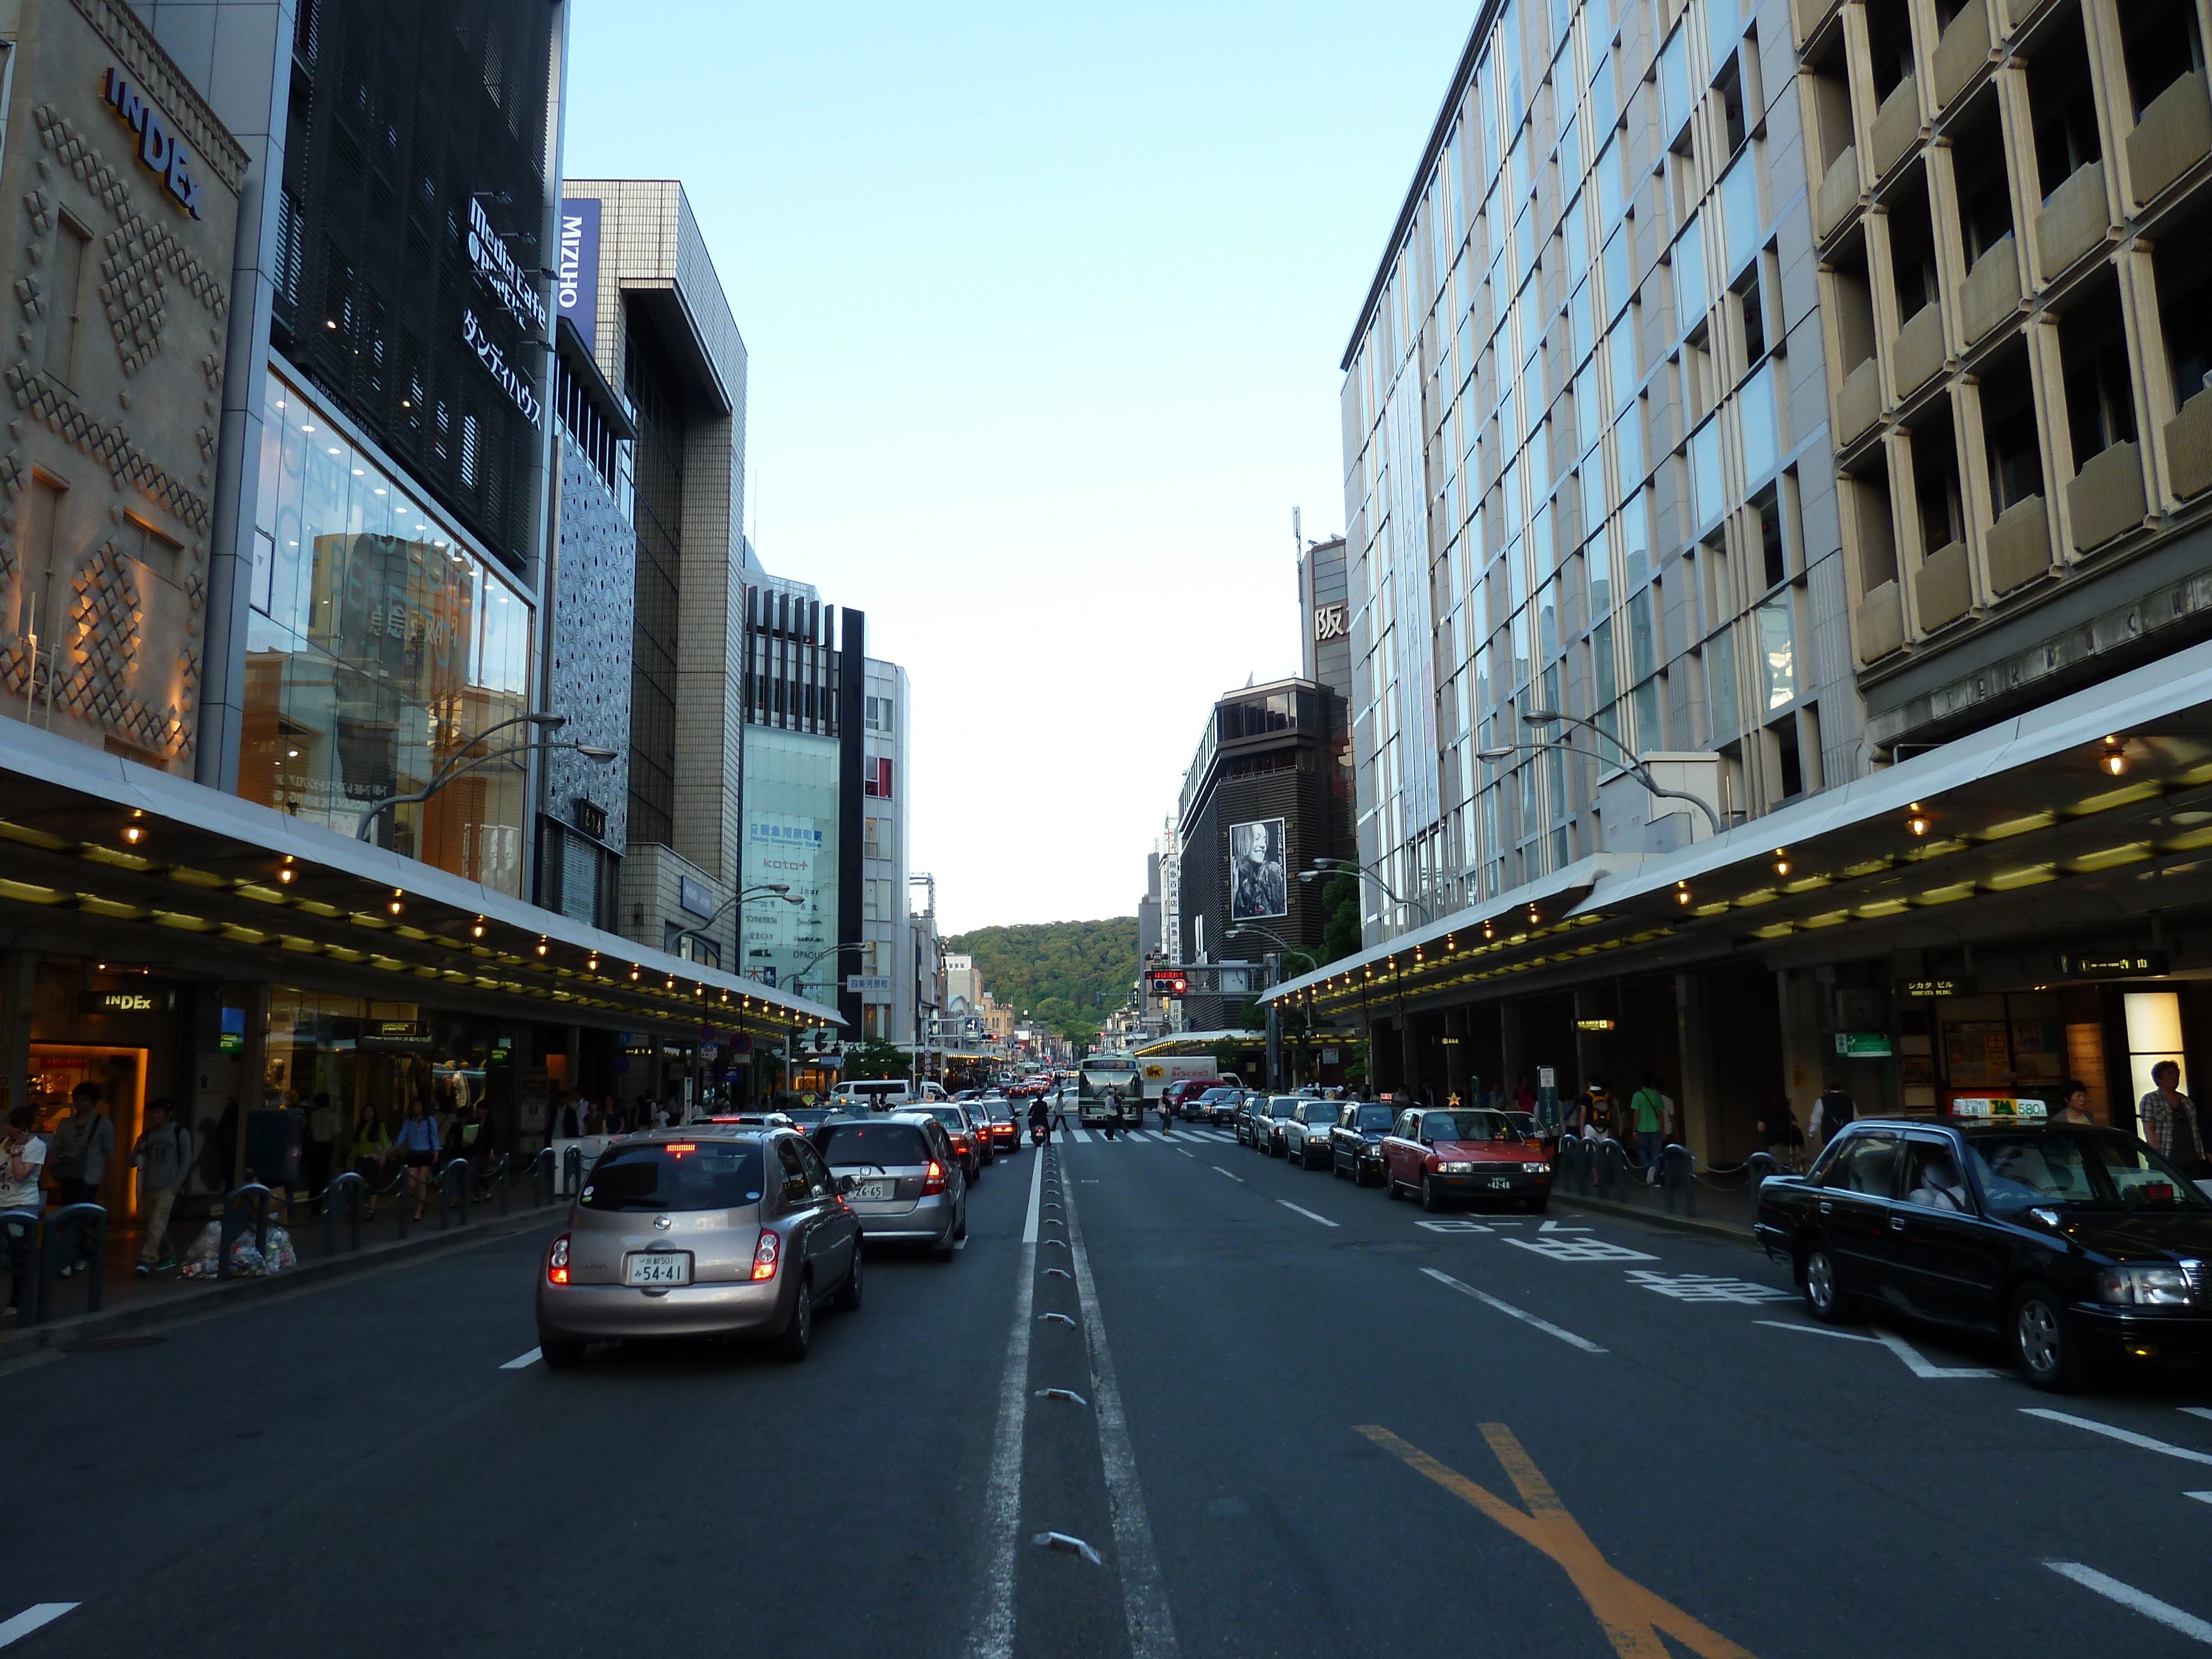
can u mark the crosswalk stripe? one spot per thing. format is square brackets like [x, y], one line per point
[1083, 1135]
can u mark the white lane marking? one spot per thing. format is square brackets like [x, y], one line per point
[1217, 1169]
[1308, 1214]
[1554, 1227]
[1522, 1314]
[1037, 1196]
[2201, 1497]
[1924, 1368]
[1812, 1330]
[994, 1634]
[2198, 1410]
[521, 1362]
[1083, 1135]
[1187, 1153]
[32, 1618]
[2126, 1437]
[1144, 1598]
[1581, 1250]
[1708, 1287]
[2128, 1596]
[960, 1243]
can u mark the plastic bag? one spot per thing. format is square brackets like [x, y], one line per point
[199, 1260]
[246, 1260]
[282, 1257]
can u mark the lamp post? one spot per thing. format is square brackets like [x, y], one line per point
[774, 889]
[1348, 867]
[1635, 768]
[456, 765]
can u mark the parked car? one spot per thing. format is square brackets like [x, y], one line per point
[998, 1115]
[2081, 1248]
[700, 1231]
[1215, 1105]
[1355, 1144]
[1270, 1114]
[1183, 1089]
[908, 1183]
[1240, 1119]
[1441, 1153]
[1306, 1131]
[970, 1144]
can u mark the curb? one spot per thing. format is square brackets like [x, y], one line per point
[227, 1294]
[1687, 1223]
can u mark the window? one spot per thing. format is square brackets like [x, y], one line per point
[796, 1182]
[140, 541]
[876, 777]
[711, 1175]
[1865, 1164]
[1932, 1179]
[65, 332]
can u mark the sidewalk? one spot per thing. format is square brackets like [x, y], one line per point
[1726, 1207]
[132, 1302]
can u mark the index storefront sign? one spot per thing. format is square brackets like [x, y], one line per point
[159, 151]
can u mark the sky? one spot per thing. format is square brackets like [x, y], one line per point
[1044, 308]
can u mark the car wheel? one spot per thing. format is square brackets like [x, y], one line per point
[1536, 1206]
[961, 1231]
[559, 1355]
[2043, 1341]
[848, 1294]
[1431, 1200]
[1823, 1297]
[1389, 1184]
[799, 1336]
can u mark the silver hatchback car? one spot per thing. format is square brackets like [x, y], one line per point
[700, 1231]
[901, 1177]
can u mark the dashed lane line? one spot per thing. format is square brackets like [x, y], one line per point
[522, 1362]
[2142, 1602]
[1520, 1313]
[1307, 1214]
[2125, 1437]
[34, 1617]
[1217, 1169]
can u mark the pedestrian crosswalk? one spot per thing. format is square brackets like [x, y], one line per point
[1145, 1137]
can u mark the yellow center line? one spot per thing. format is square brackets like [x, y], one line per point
[1630, 1615]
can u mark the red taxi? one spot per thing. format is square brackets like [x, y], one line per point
[1443, 1153]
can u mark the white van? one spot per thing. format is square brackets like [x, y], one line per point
[879, 1094]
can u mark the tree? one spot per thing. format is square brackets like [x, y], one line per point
[874, 1057]
[1340, 935]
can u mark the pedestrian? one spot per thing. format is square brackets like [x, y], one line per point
[2169, 1120]
[368, 1149]
[23, 1161]
[83, 1143]
[321, 1150]
[2075, 1106]
[1831, 1111]
[1113, 1112]
[1648, 1106]
[1060, 1116]
[417, 1142]
[570, 1128]
[1778, 1128]
[164, 1156]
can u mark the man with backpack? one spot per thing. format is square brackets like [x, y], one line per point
[1831, 1112]
[163, 1156]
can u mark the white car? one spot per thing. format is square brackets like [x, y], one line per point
[1305, 1132]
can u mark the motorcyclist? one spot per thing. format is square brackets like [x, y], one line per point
[1040, 1117]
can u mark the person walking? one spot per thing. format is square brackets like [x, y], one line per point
[163, 1155]
[321, 1150]
[1831, 1112]
[368, 1149]
[1113, 1112]
[2169, 1120]
[418, 1143]
[83, 1143]
[1648, 1107]
[23, 1161]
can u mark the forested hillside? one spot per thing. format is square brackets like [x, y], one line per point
[1067, 975]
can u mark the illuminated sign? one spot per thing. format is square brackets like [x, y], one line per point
[129, 1002]
[1594, 1025]
[1924, 988]
[2140, 964]
[515, 289]
[159, 151]
[1862, 1045]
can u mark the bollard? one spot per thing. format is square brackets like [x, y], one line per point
[345, 1192]
[572, 1169]
[80, 1231]
[500, 1179]
[1758, 1167]
[453, 1193]
[541, 1177]
[1678, 1171]
[259, 1197]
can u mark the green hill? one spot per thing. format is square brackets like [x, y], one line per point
[1067, 975]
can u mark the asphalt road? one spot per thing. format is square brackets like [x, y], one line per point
[1304, 1421]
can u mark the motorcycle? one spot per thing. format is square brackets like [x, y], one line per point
[1037, 1134]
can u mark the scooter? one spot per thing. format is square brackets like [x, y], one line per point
[1037, 1132]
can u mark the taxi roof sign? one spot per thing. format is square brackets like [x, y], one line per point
[1999, 1107]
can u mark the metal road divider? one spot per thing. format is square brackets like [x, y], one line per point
[81, 1229]
[1677, 1173]
[258, 1198]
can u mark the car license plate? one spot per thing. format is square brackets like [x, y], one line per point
[660, 1268]
[1499, 1181]
[868, 1190]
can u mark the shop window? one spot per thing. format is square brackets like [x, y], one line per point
[2184, 301]
[2160, 42]
[1978, 165]
[2011, 435]
[2093, 349]
[2061, 102]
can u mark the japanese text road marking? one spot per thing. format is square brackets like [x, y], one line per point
[1631, 1616]
[1706, 1287]
[31, 1618]
[1581, 1250]
[2126, 1437]
[2128, 1596]
[1520, 1313]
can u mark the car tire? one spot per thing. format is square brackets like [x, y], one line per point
[848, 1293]
[559, 1355]
[2043, 1341]
[1825, 1299]
[960, 1231]
[798, 1337]
[1431, 1200]
[1389, 1184]
[1537, 1206]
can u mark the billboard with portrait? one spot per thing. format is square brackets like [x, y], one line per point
[1258, 884]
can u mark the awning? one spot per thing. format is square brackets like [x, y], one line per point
[217, 887]
[1190, 1042]
[2022, 819]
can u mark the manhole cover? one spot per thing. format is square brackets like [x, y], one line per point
[111, 1343]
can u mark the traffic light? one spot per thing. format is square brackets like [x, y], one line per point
[1167, 983]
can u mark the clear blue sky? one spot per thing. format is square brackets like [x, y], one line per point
[1045, 307]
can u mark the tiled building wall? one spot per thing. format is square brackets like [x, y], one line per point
[589, 678]
[1586, 447]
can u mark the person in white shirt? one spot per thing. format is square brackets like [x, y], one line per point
[23, 1161]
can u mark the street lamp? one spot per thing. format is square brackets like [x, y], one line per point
[1635, 768]
[1348, 867]
[774, 889]
[456, 765]
[1274, 1013]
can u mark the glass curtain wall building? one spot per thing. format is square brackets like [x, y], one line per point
[1587, 459]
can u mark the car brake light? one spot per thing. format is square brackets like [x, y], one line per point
[678, 1148]
[764, 1254]
[557, 1262]
[934, 1180]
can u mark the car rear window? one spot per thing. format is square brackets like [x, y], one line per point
[705, 1174]
[884, 1145]
[1374, 1117]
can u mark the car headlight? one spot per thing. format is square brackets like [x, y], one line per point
[2144, 1286]
[1457, 1169]
[1536, 1169]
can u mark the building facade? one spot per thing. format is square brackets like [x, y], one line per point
[886, 964]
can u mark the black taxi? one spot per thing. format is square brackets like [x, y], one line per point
[2081, 1247]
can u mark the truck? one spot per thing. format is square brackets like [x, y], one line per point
[1156, 1072]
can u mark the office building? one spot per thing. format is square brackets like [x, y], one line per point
[886, 963]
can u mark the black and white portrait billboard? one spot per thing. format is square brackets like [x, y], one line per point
[1257, 887]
